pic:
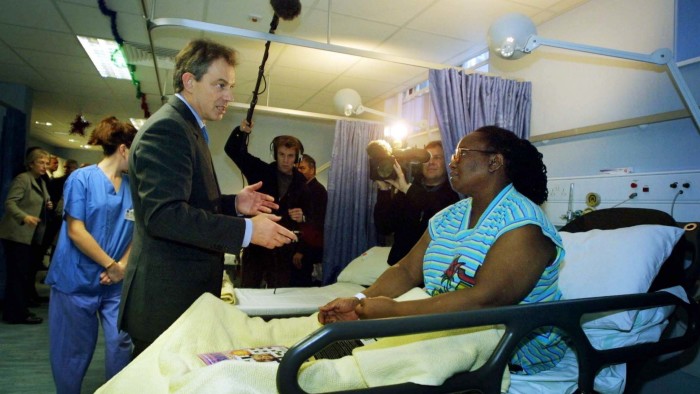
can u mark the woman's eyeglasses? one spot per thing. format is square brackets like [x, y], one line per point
[462, 152]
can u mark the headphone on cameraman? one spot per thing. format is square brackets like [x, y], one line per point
[274, 145]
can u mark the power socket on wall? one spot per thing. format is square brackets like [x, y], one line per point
[680, 186]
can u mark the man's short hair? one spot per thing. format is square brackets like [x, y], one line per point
[310, 160]
[196, 58]
[289, 142]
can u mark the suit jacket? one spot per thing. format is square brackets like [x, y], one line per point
[183, 225]
[27, 196]
[312, 229]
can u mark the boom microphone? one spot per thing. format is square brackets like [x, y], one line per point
[286, 9]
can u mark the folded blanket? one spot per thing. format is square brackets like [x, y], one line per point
[227, 293]
[171, 363]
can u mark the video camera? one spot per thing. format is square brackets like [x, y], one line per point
[382, 157]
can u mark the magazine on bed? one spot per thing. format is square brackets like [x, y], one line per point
[262, 354]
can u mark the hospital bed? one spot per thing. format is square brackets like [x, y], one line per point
[301, 301]
[604, 270]
[613, 257]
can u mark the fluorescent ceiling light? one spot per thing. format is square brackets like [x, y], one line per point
[106, 56]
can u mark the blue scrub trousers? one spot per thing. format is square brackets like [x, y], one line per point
[73, 331]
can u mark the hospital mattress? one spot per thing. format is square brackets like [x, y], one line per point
[291, 301]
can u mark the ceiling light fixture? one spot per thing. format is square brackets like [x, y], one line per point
[106, 56]
[348, 102]
[514, 35]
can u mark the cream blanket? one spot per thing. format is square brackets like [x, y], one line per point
[228, 295]
[171, 363]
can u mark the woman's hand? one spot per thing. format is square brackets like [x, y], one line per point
[340, 309]
[31, 220]
[112, 275]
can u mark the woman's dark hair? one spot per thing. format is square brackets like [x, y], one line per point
[524, 166]
[110, 133]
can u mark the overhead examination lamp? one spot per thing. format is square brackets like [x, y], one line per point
[514, 35]
[348, 102]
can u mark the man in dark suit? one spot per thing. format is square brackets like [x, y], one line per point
[183, 225]
[308, 258]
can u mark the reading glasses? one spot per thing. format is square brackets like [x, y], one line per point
[462, 152]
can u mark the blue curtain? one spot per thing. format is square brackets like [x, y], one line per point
[13, 142]
[349, 228]
[465, 102]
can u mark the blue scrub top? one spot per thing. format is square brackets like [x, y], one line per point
[90, 197]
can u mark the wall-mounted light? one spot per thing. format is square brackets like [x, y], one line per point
[396, 133]
[514, 35]
[348, 102]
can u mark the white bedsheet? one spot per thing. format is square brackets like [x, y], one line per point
[288, 301]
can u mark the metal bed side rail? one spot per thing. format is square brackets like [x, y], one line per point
[519, 321]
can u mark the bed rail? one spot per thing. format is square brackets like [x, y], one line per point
[519, 321]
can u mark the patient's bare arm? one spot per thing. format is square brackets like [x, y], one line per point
[510, 271]
[395, 281]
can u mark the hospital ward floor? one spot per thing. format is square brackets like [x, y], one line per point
[24, 356]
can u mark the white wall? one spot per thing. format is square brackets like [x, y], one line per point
[574, 89]
[316, 135]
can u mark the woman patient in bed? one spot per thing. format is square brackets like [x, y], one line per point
[493, 248]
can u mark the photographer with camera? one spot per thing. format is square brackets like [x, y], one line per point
[404, 208]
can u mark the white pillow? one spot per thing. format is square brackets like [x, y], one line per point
[647, 327]
[367, 267]
[612, 262]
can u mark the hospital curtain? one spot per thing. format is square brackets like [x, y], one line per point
[464, 102]
[349, 228]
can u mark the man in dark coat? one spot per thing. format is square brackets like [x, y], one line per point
[308, 258]
[262, 267]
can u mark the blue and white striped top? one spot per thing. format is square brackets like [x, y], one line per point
[456, 252]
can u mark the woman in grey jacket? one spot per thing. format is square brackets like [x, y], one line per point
[22, 230]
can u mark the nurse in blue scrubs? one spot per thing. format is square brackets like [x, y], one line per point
[88, 265]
